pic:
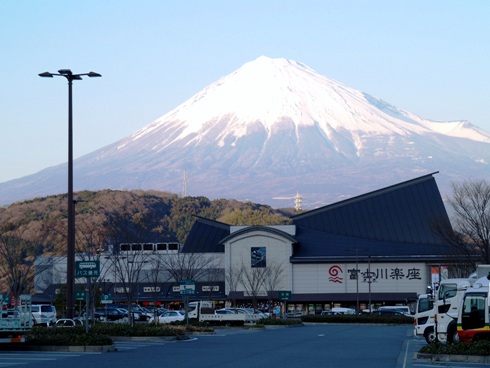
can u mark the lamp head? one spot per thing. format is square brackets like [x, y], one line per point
[65, 72]
[46, 75]
[93, 74]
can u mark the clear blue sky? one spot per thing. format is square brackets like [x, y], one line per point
[431, 58]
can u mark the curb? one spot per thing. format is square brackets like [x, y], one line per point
[144, 338]
[61, 348]
[454, 358]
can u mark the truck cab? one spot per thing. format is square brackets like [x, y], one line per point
[450, 295]
[423, 320]
[195, 309]
[473, 319]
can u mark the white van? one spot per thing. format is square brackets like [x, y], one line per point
[44, 314]
[343, 310]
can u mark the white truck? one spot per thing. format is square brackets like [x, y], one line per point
[423, 320]
[473, 319]
[15, 322]
[203, 311]
[446, 307]
[436, 316]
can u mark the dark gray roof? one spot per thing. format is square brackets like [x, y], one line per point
[390, 224]
[394, 223]
[205, 236]
[318, 246]
[402, 213]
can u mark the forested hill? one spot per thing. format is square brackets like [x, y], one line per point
[109, 216]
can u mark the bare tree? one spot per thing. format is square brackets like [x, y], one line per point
[156, 276]
[273, 280]
[213, 278]
[253, 281]
[91, 237]
[470, 232]
[188, 266]
[127, 267]
[18, 254]
[233, 278]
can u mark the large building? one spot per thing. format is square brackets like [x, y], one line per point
[377, 248]
[380, 247]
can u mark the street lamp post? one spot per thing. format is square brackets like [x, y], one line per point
[70, 254]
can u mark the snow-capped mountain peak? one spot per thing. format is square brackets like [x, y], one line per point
[270, 91]
[271, 128]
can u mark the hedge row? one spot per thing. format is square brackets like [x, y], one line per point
[362, 318]
[101, 333]
[66, 336]
[462, 348]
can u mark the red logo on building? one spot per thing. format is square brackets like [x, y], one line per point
[334, 272]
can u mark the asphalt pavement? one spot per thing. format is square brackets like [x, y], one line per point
[336, 346]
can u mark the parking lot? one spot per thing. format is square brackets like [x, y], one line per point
[352, 346]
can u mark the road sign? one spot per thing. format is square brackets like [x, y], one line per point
[284, 295]
[106, 298]
[87, 268]
[80, 295]
[187, 287]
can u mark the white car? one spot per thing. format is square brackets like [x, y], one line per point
[44, 314]
[169, 316]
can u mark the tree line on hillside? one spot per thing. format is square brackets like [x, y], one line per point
[37, 227]
[32, 228]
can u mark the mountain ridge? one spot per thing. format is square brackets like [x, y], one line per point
[272, 128]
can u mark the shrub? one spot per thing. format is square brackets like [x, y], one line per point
[463, 348]
[278, 321]
[66, 336]
[102, 333]
[362, 318]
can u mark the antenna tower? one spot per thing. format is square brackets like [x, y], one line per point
[298, 200]
[184, 188]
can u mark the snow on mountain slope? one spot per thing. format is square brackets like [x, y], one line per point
[275, 127]
[266, 91]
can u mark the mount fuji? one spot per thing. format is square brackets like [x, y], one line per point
[269, 130]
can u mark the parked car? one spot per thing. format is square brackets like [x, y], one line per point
[43, 314]
[110, 314]
[152, 312]
[136, 315]
[169, 316]
[67, 322]
[400, 308]
[337, 311]
[388, 312]
[144, 314]
[329, 313]
[294, 314]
